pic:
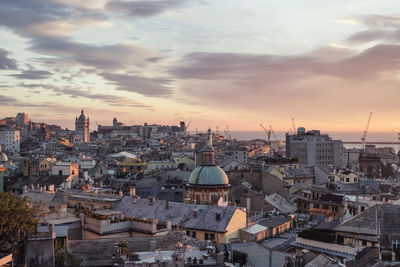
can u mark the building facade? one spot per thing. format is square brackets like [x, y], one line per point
[21, 120]
[82, 128]
[312, 148]
[10, 140]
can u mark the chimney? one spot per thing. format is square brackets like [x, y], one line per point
[217, 216]
[134, 200]
[166, 204]
[132, 191]
[120, 193]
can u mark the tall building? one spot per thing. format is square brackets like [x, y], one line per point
[10, 140]
[82, 128]
[21, 120]
[312, 148]
[208, 182]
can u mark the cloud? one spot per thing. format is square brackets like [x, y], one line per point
[279, 84]
[151, 87]
[380, 28]
[32, 74]
[77, 93]
[261, 67]
[38, 18]
[107, 57]
[13, 102]
[7, 101]
[380, 21]
[144, 8]
[6, 63]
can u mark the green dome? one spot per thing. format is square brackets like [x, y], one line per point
[208, 175]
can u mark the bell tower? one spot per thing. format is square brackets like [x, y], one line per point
[82, 128]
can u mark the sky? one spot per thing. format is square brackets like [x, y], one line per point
[327, 64]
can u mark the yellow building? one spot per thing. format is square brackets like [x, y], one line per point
[131, 164]
[344, 176]
[159, 165]
[185, 160]
[46, 164]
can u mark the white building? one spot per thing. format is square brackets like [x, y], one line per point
[65, 168]
[10, 140]
[312, 148]
[351, 158]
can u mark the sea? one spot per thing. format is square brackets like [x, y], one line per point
[344, 136]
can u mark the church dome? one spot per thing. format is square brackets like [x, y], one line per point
[82, 117]
[208, 175]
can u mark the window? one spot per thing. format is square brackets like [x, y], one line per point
[209, 236]
[60, 172]
[364, 243]
[194, 234]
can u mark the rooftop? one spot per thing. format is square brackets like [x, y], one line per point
[274, 221]
[189, 216]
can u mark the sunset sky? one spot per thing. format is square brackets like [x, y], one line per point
[326, 64]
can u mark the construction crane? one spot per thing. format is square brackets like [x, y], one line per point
[217, 130]
[268, 132]
[364, 137]
[228, 134]
[294, 126]
[187, 127]
[273, 133]
[278, 143]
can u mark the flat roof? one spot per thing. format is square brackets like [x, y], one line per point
[254, 229]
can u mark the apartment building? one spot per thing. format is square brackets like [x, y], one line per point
[10, 140]
[312, 148]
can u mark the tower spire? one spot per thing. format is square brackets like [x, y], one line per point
[208, 155]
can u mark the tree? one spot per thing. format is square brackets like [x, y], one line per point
[387, 170]
[17, 219]
[239, 257]
[65, 259]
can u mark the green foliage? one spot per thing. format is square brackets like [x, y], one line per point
[17, 219]
[239, 257]
[387, 170]
[65, 259]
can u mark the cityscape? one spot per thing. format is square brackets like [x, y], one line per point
[199, 133]
[158, 195]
